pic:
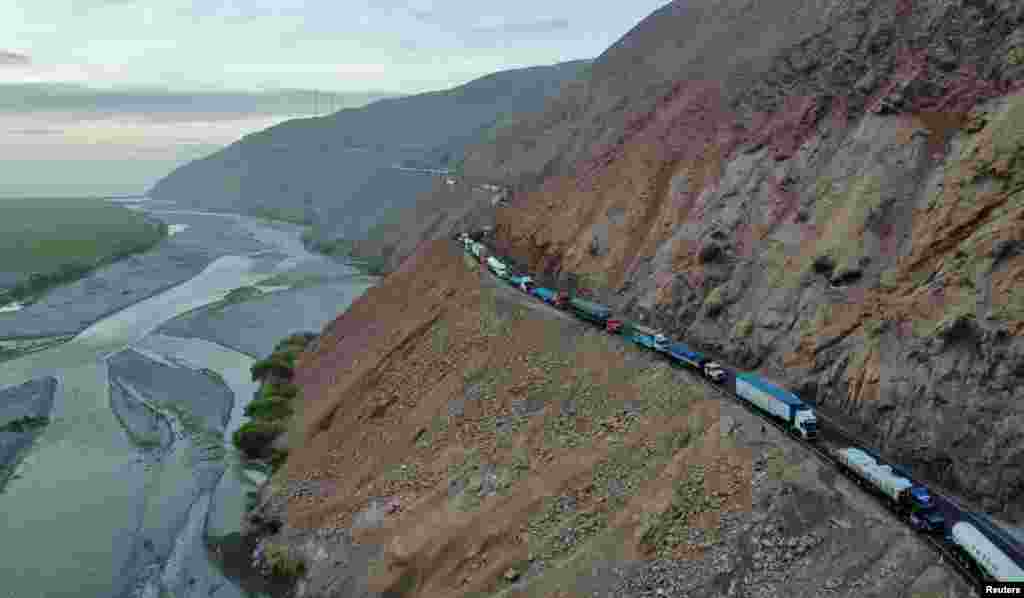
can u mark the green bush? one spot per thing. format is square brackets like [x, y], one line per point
[282, 563]
[277, 365]
[270, 408]
[25, 424]
[254, 437]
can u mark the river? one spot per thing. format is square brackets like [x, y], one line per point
[99, 509]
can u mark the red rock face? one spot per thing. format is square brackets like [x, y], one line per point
[864, 108]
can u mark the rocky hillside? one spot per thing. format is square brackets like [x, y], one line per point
[831, 192]
[336, 170]
[457, 438]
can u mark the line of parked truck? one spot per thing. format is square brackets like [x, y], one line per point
[981, 545]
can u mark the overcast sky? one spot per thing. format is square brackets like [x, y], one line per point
[403, 46]
[66, 141]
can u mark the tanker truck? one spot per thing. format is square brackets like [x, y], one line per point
[991, 551]
[911, 501]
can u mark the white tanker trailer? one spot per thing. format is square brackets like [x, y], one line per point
[909, 499]
[990, 559]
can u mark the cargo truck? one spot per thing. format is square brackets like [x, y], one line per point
[712, 370]
[641, 335]
[548, 296]
[779, 403]
[910, 500]
[523, 283]
[590, 311]
[497, 267]
[988, 548]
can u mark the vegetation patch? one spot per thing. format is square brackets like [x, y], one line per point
[281, 563]
[347, 249]
[743, 328]
[295, 280]
[254, 437]
[25, 424]
[842, 216]
[58, 241]
[779, 273]
[273, 406]
[1015, 56]
[714, 302]
[291, 215]
[559, 528]
[778, 468]
[666, 531]
[664, 395]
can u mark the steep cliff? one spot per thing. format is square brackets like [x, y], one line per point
[336, 171]
[829, 191]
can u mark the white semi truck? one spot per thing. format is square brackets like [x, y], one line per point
[981, 544]
[775, 401]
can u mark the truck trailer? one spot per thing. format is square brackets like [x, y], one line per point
[549, 296]
[778, 403]
[523, 283]
[590, 311]
[643, 335]
[712, 370]
[497, 266]
[993, 562]
[912, 501]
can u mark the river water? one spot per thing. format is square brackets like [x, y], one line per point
[93, 511]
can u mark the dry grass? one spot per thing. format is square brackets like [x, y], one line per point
[389, 432]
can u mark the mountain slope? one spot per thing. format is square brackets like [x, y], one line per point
[456, 437]
[831, 192]
[335, 170]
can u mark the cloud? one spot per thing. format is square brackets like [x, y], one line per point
[525, 27]
[36, 131]
[8, 58]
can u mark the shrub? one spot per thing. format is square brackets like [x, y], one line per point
[743, 328]
[277, 364]
[1015, 56]
[714, 302]
[25, 424]
[269, 408]
[282, 564]
[254, 437]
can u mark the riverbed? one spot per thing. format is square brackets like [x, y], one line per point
[120, 494]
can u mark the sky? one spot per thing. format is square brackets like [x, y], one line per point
[204, 48]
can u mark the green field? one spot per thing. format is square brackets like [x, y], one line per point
[46, 242]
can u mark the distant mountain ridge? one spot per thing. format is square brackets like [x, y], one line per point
[336, 170]
[43, 97]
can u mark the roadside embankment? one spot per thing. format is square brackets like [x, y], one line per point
[452, 439]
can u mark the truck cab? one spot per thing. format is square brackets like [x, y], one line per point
[714, 371]
[806, 424]
[921, 510]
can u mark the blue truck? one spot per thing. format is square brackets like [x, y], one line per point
[643, 336]
[521, 282]
[712, 370]
[590, 311]
[548, 296]
[779, 403]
